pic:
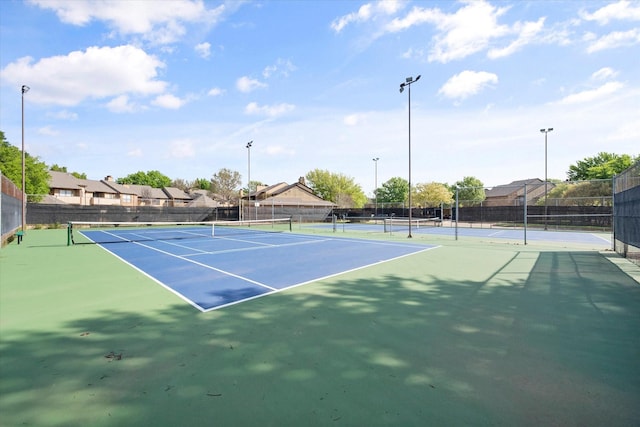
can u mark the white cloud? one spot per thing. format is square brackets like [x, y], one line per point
[203, 49]
[246, 84]
[467, 83]
[604, 74]
[169, 101]
[121, 104]
[592, 94]
[467, 31]
[276, 150]
[367, 12]
[527, 33]
[181, 149]
[136, 152]
[354, 119]
[63, 115]
[622, 10]
[268, 110]
[48, 131]
[159, 22]
[282, 67]
[471, 29]
[614, 40]
[216, 91]
[98, 72]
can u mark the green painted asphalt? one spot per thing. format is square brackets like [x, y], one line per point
[470, 333]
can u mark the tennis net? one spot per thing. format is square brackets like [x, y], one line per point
[85, 232]
[398, 224]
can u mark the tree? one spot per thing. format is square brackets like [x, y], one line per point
[337, 188]
[182, 184]
[253, 186]
[151, 178]
[36, 172]
[432, 194]
[470, 191]
[395, 190]
[202, 184]
[57, 168]
[602, 166]
[225, 184]
[591, 193]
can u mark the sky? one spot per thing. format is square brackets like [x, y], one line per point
[117, 87]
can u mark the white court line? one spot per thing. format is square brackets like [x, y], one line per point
[309, 242]
[272, 290]
[318, 278]
[204, 265]
[608, 240]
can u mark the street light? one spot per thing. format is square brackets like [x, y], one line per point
[375, 189]
[249, 144]
[407, 83]
[545, 131]
[25, 89]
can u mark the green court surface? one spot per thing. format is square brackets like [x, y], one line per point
[470, 333]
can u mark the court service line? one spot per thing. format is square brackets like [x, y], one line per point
[319, 278]
[228, 273]
[256, 248]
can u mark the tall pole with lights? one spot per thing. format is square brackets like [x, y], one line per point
[25, 89]
[546, 132]
[249, 144]
[375, 189]
[407, 84]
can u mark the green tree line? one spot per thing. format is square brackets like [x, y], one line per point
[331, 186]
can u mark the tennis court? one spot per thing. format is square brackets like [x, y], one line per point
[473, 332]
[238, 263]
[597, 240]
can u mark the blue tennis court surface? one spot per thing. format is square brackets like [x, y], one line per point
[597, 240]
[214, 272]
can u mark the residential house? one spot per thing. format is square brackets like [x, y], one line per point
[513, 194]
[66, 188]
[295, 199]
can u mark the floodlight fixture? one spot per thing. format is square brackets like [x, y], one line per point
[249, 144]
[24, 89]
[407, 83]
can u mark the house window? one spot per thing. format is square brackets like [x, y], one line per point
[65, 193]
[125, 198]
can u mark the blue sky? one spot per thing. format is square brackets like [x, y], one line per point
[118, 87]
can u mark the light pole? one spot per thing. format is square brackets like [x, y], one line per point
[249, 144]
[375, 189]
[407, 83]
[25, 89]
[545, 131]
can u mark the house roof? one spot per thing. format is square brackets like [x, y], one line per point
[121, 188]
[285, 194]
[63, 180]
[201, 198]
[514, 187]
[176, 193]
[95, 186]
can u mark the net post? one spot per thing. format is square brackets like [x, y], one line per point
[69, 237]
[525, 213]
[291, 223]
[457, 211]
[613, 212]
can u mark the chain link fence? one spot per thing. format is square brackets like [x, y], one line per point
[626, 235]
[10, 209]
